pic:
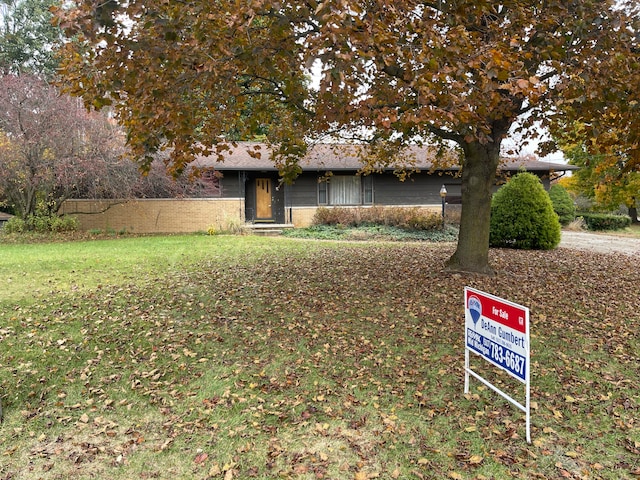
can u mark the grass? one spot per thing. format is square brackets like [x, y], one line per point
[246, 357]
[631, 231]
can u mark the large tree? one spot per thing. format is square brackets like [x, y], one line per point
[28, 38]
[51, 148]
[183, 74]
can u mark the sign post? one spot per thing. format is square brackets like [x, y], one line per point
[498, 331]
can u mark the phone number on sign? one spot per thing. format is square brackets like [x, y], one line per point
[495, 352]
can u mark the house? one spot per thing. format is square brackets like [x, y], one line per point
[249, 190]
[330, 178]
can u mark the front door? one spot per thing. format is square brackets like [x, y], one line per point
[263, 199]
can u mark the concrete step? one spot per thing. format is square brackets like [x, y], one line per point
[267, 229]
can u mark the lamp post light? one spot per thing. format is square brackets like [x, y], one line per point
[443, 195]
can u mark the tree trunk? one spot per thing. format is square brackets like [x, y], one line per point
[478, 179]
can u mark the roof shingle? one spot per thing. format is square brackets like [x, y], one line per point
[336, 157]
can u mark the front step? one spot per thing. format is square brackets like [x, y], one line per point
[267, 229]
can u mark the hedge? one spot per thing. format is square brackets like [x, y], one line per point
[605, 221]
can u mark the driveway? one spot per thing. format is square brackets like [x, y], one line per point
[596, 242]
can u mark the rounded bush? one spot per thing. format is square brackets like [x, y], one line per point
[522, 216]
[562, 204]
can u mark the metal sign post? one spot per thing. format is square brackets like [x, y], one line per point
[498, 331]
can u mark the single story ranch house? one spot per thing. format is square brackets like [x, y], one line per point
[250, 191]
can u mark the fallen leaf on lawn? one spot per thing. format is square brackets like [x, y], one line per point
[215, 470]
[455, 476]
[360, 475]
[475, 459]
[572, 454]
[201, 458]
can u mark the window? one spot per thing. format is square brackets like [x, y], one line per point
[346, 190]
[323, 199]
[367, 190]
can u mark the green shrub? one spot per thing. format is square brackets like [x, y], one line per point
[605, 221]
[63, 224]
[15, 225]
[522, 215]
[42, 224]
[562, 204]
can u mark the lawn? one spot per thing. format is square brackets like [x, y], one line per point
[243, 357]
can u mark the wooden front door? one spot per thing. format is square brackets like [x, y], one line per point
[263, 199]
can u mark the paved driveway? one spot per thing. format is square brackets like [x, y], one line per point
[596, 242]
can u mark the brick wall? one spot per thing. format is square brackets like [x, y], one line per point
[157, 215]
[302, 216]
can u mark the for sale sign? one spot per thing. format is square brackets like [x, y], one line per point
[498, 331]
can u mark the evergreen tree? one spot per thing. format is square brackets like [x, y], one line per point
[28, 38]
[562, 204]
[522, 216]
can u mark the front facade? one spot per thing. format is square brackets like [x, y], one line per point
[267, 201]
[331, 178]
[250, 191]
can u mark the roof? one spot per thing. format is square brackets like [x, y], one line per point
[336, 157]
[4, 217]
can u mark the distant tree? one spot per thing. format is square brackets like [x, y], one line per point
[522, 215]
[603, 180]
[158, 183]
[51, 148]
[181, 74]
[28, 38]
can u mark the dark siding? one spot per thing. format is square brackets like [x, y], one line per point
[278, 202]
[304, 192]
[418, 189]
[230, 185]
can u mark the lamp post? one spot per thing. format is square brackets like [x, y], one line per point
[443, 195]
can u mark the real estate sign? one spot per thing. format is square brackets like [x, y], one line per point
[498, 331]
